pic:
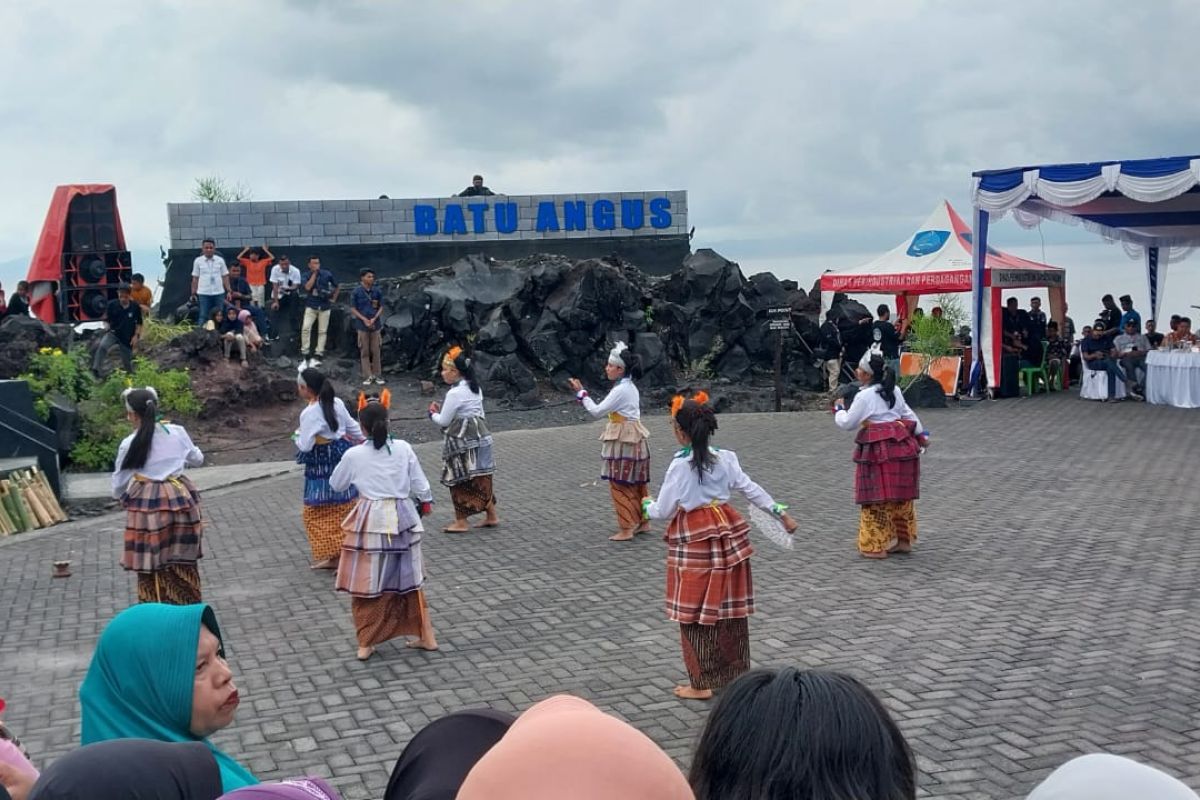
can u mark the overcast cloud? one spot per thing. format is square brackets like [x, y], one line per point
[797, 127]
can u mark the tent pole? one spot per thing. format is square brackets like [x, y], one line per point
[978, 259]
[1154, 269]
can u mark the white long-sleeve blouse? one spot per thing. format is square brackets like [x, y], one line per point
[171, 449]
[869, 406]
[314, 424]
[460, 402]
[391, 471]
[624, 399]
[682, 487]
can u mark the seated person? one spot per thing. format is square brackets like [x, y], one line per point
[1097, 353]
[1012, 350]
[151, 658]
[1181, 338]
[1152, 335]
[801, 733]
[254, 339]
[233, 333]
[1058, 351]
[1131, 348]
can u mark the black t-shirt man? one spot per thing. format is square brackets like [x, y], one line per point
[123, 320]
[884, 334]
[17, 307]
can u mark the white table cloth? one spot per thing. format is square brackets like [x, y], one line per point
[1173, 378]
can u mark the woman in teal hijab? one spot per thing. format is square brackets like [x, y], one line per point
[159, 672]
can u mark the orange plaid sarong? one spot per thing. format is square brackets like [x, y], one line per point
[708, 566]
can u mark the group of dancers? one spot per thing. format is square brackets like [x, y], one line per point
[365, 495]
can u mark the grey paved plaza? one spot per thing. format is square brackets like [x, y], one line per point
[1050, 608]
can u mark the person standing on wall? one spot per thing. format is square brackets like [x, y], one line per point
[210, 280]
[322, 292]
[476, 189]
[366, 306]
[286, 281]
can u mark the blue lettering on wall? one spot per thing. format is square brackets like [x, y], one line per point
[454, 221]
[547, 217]
[604, 215]
[477, 216]
[660, 214]
[506, 217]
[425, 220]
[575, 215]
[633, 214]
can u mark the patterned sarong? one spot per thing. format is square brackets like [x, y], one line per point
[389, 616]
[715, 655]
[472, 496]
[324, 509]
[627, 502]
[887, 463]
[162, 523]
[467, 451]
[625, 452]
[381, 549]
[175, 584]
[708, 566]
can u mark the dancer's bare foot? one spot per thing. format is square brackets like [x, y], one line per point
[621, 536]
[643, 528]
[458, 527]
[365, 652]
[901, 547]
[422, 644]
[489, 522]
[688, 693]
[329, 563]
[866, 554]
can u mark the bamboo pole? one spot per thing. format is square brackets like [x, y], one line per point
[13, 506]
[34, 487]
[48, 493]
[7, 527]
[44, 520]
[14, 493]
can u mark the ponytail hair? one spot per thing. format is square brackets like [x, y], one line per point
[143, 403]
[884, 379]
[373, 417]
[322, 387]
[466, 367]
[633, 364]
[699, 422]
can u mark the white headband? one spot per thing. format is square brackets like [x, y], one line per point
[125, 396]
[614, 356]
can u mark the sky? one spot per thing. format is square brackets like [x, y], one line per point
[809, 135]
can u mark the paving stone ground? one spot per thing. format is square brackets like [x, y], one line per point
[1050, 608]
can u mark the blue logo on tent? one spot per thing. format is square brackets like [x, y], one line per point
[926, 242]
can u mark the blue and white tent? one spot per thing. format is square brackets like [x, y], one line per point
[1150, 205]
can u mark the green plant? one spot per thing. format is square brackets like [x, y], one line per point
[214, 189]
[52, 371]
[932, 337]
[157, 332]
[703, 368]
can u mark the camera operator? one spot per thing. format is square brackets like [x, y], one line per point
[322, 290]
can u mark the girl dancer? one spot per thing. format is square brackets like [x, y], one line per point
[625, 453]
[887, 469]
[326, 433]
[709, 589]
[381, 564]
[467, 452]
[162, 507]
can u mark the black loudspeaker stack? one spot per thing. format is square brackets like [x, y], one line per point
[92, 266]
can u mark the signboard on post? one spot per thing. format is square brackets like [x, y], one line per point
[779, 320]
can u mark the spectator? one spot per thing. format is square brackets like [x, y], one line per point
[436, 760]
[1127, 314]
[1015, 322]
[1110, 318]
[1100, 776]
[1174, 323]
[1012, 358]
[255, 265]
[945, 326]
[1131, 348]
[254, 339]
[322, 293]
[1076, 354]
[1181, 338]
[1152, 335]
[366, 307]
[18, 306]
[123, 326]
[829, 348]
[241, 296]
[884, 334]
[141, 293]
[233, 333]
[132, 768]
[1068, 325]
[1097, 353]
[476, 188]
[1058, 352]
[1036, 332]
[788, 733]
[210, 280]
[856, 341]
[285, 287]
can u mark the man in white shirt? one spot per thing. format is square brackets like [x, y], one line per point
[286, 281]
[210, 281]
[1132, 347]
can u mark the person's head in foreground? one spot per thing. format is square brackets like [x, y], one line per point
[159, 673]
[132, 768]
[1101, 776]
[437, 759]
[780, 734]
[565, 747]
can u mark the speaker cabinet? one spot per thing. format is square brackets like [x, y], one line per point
[89, 283]
[92, 224]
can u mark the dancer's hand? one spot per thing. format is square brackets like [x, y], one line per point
[575, 384]
[646, 503]
[435, 407]
[789, 524]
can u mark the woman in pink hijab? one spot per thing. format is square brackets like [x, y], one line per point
[254, 339]
[565, 747]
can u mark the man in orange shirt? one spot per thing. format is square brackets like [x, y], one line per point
[140, 293]
[255, 266]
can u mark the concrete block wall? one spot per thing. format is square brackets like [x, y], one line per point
[301, 223]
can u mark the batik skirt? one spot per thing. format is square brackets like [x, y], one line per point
[887, 479]
[162, 540]
[381, 568]
[625, 452]
[468, 465]
[324, 508]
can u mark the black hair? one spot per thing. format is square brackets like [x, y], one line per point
[1188, 320]
[1106, 299]
[313, 258]
[476, 177]
[699, 422]
[374, 421]
[317, 383]
[883, 377]
[883, 309]
[284, 257]
[365, 271]
[22, 285]
[466, 368]
[1052, 324]
[829, 315]
[633, 364]
[1175, 318]
[137, 276]
[145, 405]
[124, 287]
[1126, 298]
[207, 240]
[778, 734]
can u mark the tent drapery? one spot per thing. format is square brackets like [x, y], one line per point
[1153, 204]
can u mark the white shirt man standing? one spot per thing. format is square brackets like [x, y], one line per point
[286, 281]
[210, 280]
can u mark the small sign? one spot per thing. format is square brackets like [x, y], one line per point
[786, 311]
[779, 324]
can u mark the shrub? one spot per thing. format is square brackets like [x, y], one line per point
[52, 371]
